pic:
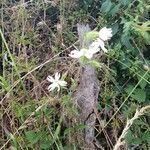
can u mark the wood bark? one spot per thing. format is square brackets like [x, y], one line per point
[86, 95]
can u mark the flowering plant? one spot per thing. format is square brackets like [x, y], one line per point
[98, 44]
[56, 82]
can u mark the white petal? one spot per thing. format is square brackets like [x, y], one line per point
[57, 76]
[104, 49]
[85, 52]
[62, 83]
[89, 54]
[50, 79]
[52, 87]
[94, 47]
[75, 54]
[105, 33]
[5, 57]
[58, 88]
[102, 45]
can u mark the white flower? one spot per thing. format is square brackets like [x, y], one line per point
[88, 53]
[83, 52]
[105, 34]
[98, 43]
[56, 82]
[75, 54]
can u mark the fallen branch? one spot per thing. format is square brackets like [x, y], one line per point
[129, 123]
[86, 95]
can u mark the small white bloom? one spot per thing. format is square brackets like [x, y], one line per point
[97, 44]
[83, 52]
[102, 45]
[75, 54]
[105, 34]
[87, 53]
[56, 82]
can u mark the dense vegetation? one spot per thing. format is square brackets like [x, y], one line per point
[36, 38]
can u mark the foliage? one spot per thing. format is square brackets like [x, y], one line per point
[38, 36]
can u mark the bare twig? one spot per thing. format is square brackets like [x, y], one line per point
[129, 123]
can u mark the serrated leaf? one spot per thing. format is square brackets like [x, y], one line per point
[115, 28]
[139, 95]
[129, 136]
[146, 136]
[143, 83]
[137, 141]
[126, 41]
[143, 30]
[115, 9]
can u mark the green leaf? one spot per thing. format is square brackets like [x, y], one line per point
[114, 9]
[126, 41]
[146, 136]
[125, 2]
[5, 84]
[45, 144]
[106, 6]
[138, 94]
[143, 83]
[115, 28]
[143, 30]
[32, 137]
[137, 141]
[74, 129]
[129, 136]
[95, 63]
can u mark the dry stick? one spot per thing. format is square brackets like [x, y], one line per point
[86, 94]
[137, 114]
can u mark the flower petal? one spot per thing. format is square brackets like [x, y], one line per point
[89, 54]
[105, 33]
[94, 47]
[58, 88]
[75, 54]
[52, 86]
[57, 76]
[62, 83]
[102, 45]
[50, 79]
